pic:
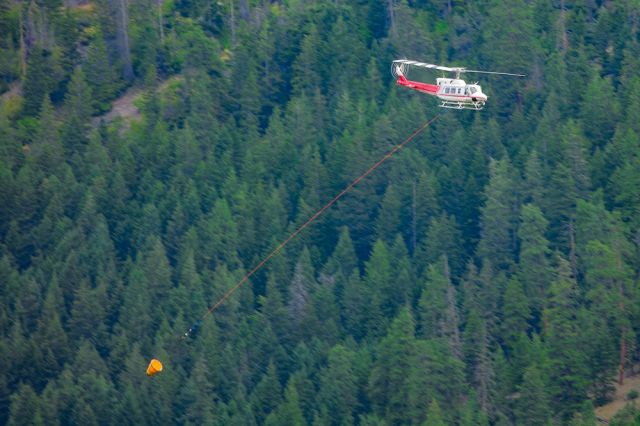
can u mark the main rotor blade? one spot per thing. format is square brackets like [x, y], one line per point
[425, 65]
[451, 69]
[494, 72]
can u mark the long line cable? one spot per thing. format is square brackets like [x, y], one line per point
[309, 221]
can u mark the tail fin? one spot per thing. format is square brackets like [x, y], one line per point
[399, 73]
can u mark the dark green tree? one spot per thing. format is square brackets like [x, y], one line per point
[437, 307]
[381, 292]
[444, 238]
[534, 271]
[600, 111]
[338, 385]
[267, 394]
[434, 415]
[436, 374]
[288, 412]
[562, 334]
[515, 312]
[25, 407]
[101, 76]
[41, 78]
[532, 407]
[78, 105]
[498, 223]
[389, 220]
[387, 388]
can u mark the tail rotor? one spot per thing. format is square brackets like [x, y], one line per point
[398, 70]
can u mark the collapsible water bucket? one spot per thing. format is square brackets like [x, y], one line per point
[154, 367]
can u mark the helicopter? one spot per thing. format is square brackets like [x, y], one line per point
[453, 92]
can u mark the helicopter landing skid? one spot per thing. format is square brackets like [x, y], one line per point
[476, 106]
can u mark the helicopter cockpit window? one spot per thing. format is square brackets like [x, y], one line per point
[473, 90]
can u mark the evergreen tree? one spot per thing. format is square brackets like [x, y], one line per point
[47, 146]
[343, 260]
[569, 386]
[25, 407]
[338, 386]
[79, 108]
[101, 75]
[444, 239]
[477, 357]
[267, 394]
[559, 206]
[387, 388]
[356, 307]
[380, 291]
[435, 375]
[515, 312]
[623, 180]
[509, 40]
[389, 220]
[534, 271]
[88, 313]
[532, 407]
[498, 222]
[437, 307]
[289, 411]
[434, 415]
[576, 156]
[55, 349]
[600, 111]
[41, 77]
[302, 285]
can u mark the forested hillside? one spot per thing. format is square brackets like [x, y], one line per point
[488, 274]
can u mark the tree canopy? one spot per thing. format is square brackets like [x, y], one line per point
[488, 274]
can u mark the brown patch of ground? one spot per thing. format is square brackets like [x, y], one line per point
[123, 107]
[85, 6]
[10, 101]
[607, 411]
[15, 89]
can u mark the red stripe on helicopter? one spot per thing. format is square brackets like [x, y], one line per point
[421, 87]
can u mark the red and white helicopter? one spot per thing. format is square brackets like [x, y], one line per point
[453, 92]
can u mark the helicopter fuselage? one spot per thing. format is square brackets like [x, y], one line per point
[453, 92]
[456, 90]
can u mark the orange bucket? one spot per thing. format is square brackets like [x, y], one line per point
[154, 367]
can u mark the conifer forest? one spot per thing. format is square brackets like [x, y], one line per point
[153, 152]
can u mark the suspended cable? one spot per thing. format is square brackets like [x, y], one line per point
[309, 221]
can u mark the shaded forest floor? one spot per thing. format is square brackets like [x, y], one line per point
[607, 411]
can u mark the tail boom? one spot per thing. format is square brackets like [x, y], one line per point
[430, 89]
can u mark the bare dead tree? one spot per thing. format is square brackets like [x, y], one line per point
[122, 24]
[243, 8]
[160, 21]
[23, 48]
[232, 22]
[391, 17]
[564, 39]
